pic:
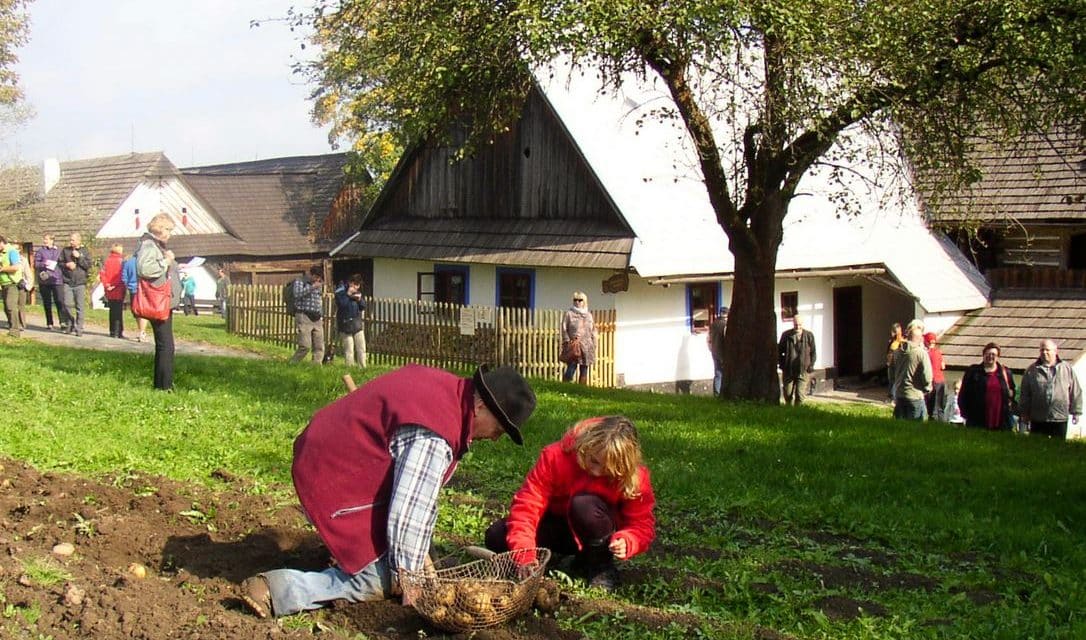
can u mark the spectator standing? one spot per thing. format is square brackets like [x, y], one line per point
[987, 392]
[891, 350]
[51, 283]
[912, 374]
[188, 295]
[131, 282]
[155, 263]
[368, 470]
[716, 347]
[112, 278]
[578, 324]
[936, 399]
[309, 316]
[350, 320]
[1050, 394]
[222, 285]
[76, 263]
[796, 356]
[11, 274]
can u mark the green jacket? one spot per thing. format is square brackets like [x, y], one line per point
[912, 371]
[8, 258]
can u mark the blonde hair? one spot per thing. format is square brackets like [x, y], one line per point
[581, 294]
[613, 440]
[159, 223]
[117, 248]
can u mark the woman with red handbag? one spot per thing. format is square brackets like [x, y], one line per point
[158, 292]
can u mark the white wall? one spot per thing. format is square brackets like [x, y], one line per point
[151, 198]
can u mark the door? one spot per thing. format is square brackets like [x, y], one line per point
[848, 348]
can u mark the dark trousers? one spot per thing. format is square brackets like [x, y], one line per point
[53, 295]
[571, 369]
[905, 409]
[589, 518]
[163, 330]
[936, 400]
[116, 318]
[1053, 429]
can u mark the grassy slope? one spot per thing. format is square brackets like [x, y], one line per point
[972, 510]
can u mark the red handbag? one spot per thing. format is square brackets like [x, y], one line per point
[151, 302]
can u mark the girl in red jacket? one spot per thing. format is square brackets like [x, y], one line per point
[589, 495]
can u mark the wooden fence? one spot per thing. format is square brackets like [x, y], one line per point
[434, 333]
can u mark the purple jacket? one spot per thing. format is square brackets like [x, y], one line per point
[48, 276]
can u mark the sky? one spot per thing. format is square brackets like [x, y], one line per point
[187, 77]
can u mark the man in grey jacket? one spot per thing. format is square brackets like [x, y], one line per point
[912, 374]
[1050, 393]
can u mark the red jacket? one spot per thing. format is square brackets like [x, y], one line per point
[110, 277]
[342, 469]
[557, 477]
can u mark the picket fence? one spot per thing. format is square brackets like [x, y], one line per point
[450, 336]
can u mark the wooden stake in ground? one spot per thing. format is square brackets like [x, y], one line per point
[349, 381]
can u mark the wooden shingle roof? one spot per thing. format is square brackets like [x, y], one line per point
[1039, 178]
[1017, 320]
[275, 206]
[540, 243]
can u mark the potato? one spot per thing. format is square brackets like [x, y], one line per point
[478, 602]
[501, 603]
[445, 594]
[439, 614]
[462, 619]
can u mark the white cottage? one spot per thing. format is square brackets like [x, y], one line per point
[587, 192]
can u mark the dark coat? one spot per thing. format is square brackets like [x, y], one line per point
[796, 356]
[971, 399]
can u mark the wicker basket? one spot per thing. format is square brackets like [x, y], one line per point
[479, 594]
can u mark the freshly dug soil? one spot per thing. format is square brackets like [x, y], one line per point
[197, 546]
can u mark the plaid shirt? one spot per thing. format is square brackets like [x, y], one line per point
[307, 298]
[421, 459]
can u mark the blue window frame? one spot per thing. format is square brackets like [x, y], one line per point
[702, 304]
[515, 288]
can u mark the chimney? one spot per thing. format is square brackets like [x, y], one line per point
[50, 174]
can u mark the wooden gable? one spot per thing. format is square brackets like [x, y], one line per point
[529, 198]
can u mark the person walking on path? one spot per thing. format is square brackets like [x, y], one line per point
[1050, 394]
[368, 471]
[188, 294]
[76, 263]
[222, 284]
[131, 282]
[112, 278]
[155, 263]
[912, 374]
[51, 283]
[309, 316]
[11, 275]
[350, 320]
[796, 356]
[716, 347]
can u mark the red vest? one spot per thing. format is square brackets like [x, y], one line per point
[342, 467]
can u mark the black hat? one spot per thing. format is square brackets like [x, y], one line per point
[508, 396]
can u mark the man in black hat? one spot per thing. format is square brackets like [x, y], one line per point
[368, 470]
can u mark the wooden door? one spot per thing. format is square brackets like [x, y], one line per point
[848, 348]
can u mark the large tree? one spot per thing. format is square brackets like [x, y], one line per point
[14, 29]
[766, 90]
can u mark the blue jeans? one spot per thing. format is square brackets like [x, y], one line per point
[294, 591]
[905, 409]
[718, 377]
[572, 369]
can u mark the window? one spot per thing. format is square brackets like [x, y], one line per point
[789, 305]
[516, 288]
[447, 283]
[702, 302]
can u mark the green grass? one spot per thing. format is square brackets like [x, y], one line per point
[758, 507]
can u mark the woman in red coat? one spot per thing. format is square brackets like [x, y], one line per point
[588, 495]
[113, 284]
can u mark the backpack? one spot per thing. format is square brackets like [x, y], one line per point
[288, 297]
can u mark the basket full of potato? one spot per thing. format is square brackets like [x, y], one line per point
[480, 594]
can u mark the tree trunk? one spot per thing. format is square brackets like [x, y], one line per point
[750, 342]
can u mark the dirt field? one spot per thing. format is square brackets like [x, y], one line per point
[192, 570]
